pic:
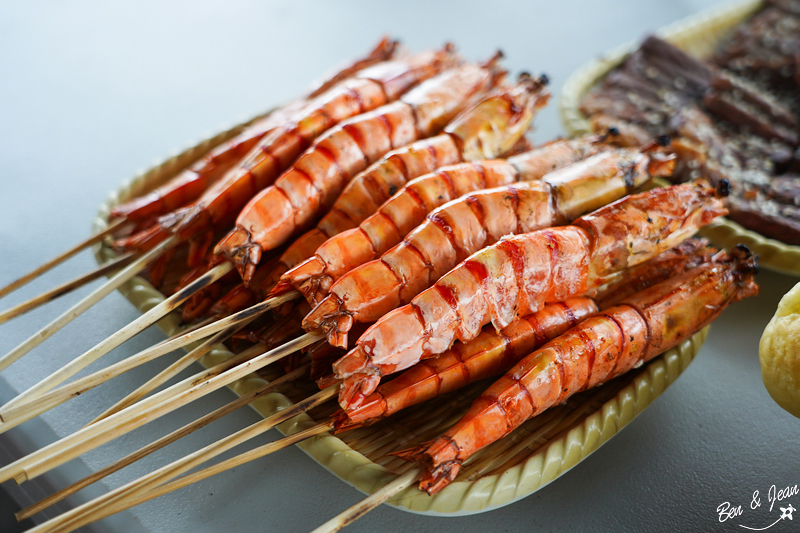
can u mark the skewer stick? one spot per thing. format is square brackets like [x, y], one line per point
[148, 409]
[89, 432]
[105, 511]
[101, 292]
[14, 415]
[14, 285]
[160, 443]
[266, 449]
[86, 434]
[81, 515]
[160, 378]
[370, 502]
[65, 288]
[178, 366]
[135, 327]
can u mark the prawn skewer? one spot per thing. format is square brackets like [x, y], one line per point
[325, 261]
[550, 324]
[493, 352]
[460, 228]
[317, 178]
[435, 101]
[408, 208]
[521, 273]
[599, 349]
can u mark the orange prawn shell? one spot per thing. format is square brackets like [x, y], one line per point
[488, 130]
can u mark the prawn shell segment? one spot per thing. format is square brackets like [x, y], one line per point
[597, 180]
[536, 163]
[494, 125]
[365, 193]
[437, 101]
[397, 77]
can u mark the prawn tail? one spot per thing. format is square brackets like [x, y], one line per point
[310, 278]
[242, 251]
[435, 478]
[330, 317]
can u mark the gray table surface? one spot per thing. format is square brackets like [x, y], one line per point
[92, 92]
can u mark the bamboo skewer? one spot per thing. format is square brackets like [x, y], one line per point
[93, 432]
[81, 515]
[148, 409]
[102, 512]
[13, 415]
[65, 288]
[370, 502]
[105, 346]
[160, 443]
[46, 402]
[16, 415]
[101, 292]
[160, 378]
[14, 285]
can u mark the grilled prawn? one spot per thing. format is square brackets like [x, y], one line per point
[488, 130]
[519, 274]
[494, 352]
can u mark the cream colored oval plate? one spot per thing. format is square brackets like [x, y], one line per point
[528, 459]
[697, 35]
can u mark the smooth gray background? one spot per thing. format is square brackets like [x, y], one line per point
[92, 92]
